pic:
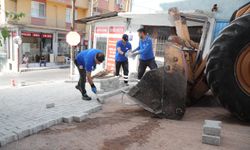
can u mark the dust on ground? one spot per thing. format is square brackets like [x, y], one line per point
[123, 125]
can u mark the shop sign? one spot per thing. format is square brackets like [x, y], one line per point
[48, 36]
[27, 34]
[116, 29]
[36, 34]
[111, 53]
[101, 30]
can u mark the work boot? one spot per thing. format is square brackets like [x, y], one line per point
[86, 97]
[78, 88]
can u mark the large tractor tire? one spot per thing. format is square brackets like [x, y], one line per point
[228, 67]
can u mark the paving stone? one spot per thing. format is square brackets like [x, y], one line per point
[36, 128]
[26, 116]
[21, 133]
[50, 105]
[212, 127]
[8, 139]
[213, 122]
[80, 117]
[210, 139]
[109, 84]
[68, 119]
[94, 109]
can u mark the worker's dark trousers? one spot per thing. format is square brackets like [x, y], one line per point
[124, 67]
[82, 79]
[143, 64]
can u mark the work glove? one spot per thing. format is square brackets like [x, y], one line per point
[126, 54]
[93, 88]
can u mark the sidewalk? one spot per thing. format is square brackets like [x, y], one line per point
[36, 66]
[23, 110]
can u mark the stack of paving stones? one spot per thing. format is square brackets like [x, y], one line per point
[109, 84]
[211, 132]
[14, 129]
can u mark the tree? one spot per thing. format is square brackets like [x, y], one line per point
[11, 17]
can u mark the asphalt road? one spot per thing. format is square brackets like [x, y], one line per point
[34, 76]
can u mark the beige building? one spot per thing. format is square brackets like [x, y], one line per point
[44, 28]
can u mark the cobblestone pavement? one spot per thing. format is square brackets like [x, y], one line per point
[122, 125]
[23, 109]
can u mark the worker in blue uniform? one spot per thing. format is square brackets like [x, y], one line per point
[145, 50]
[86, 62]
[122, 49]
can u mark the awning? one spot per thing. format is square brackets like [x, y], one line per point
[96, 17]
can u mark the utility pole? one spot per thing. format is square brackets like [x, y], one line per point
[90, 26]
[72, 48]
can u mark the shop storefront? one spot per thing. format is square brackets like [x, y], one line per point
[35, 45]
[63, 47]
[105, 38]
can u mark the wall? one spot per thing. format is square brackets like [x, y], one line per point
[226, 7]
[10, 5]
[55, 13]
[25, 7]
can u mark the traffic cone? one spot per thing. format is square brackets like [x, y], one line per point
[13, 82]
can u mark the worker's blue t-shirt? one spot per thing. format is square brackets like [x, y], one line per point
[124, 47]
[146, 49]
[86, 58]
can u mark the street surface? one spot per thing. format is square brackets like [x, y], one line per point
[23, 110]
[123, 125]
[34, 76]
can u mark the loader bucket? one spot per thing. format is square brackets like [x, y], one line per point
[163, 91]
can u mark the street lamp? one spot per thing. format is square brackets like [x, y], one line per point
[72, 37]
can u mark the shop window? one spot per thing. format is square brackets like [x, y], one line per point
[68, 15]
[37, 9]
[101, 43]
[63, 47]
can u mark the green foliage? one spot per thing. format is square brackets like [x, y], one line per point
[5, 33]
[14, 16]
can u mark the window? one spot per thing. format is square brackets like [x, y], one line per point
[68, 15]
[159, 35]
[38, 9]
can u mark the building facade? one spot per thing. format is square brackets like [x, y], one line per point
[43, 31]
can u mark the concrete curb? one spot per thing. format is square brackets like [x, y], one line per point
[19, 133]
[43, 68]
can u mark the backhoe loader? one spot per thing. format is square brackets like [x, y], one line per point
[190, 70]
